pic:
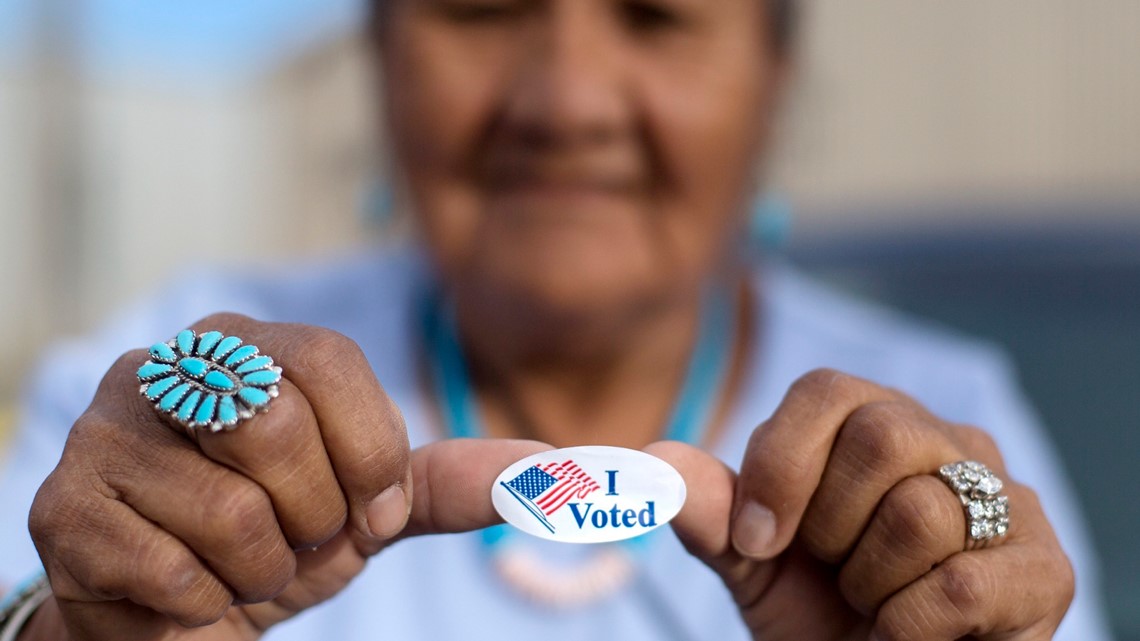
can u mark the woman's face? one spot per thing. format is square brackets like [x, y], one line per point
[577, 154]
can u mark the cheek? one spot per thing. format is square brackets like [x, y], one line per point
[442, 90]
[708, 129]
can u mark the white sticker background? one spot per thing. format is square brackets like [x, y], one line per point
[589, 494]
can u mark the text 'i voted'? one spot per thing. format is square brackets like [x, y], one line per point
[590, 494]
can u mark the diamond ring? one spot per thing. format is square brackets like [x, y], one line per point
[987, 511]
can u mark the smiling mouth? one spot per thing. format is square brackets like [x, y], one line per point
[605, 174]
[562, 190]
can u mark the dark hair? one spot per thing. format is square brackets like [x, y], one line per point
[782, 13]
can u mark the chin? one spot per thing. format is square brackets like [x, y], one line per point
[564, 263]
[559, 286]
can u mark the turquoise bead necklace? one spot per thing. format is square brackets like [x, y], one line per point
[614, 565]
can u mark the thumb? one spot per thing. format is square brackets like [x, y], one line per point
[453, 481]
[703, 524]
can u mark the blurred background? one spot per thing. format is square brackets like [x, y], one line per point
[974, 162]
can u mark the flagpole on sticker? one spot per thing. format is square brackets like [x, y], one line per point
[530, 506]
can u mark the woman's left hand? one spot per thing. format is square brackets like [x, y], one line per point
[838, 527]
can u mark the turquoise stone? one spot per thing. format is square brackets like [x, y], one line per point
[170, 401]
[253, 397]
[241, 354]
[227, 411]
[228, 344]
[162, 352]
[193, 367]
[156, 390]
[185, 342]
[254, 364]
[262, 378]
[218, 381]
[151, 371]
[205, 413]
[186, 410]
[207, 341]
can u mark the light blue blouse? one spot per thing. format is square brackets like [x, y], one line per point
[442, 587]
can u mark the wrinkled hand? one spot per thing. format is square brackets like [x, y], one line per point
[836, 528]
[146, 535]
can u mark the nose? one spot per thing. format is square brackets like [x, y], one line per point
[569, 88]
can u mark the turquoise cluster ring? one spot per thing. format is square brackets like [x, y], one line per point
[208, 382]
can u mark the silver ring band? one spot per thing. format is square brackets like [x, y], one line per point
[978, 489]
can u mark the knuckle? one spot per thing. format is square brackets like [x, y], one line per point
[238, 511]
[224, 321]
[1066, 583]
[272, 571]
[45, 510]
[200, 611]
[319, 526]
[244, 534]
[1030, 521]
[1028, 500]
[966, 586]
[291, 411]
[825, 382]
[326, 351]
[896, 621]
[66, 511]
[64, 585]
[186, 591]
[168, 576]
[92, 431]
[914, 517]
[873, 436]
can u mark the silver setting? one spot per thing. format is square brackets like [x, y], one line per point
[978, 489]
[208, 382]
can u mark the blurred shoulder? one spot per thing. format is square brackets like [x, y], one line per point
[810, 324]
[366, 296]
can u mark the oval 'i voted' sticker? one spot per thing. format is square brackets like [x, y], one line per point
[589, 494]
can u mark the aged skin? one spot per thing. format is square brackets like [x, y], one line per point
[578, 169]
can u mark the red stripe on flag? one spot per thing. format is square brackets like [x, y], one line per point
[556, 493]
[572, 481]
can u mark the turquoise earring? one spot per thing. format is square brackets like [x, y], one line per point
[378, 208]
[770, 223]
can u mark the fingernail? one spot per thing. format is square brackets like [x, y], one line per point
[754, 530]
[388, 513]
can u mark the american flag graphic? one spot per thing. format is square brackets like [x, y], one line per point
[543, 490]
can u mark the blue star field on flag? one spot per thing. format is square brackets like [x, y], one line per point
[532, 482]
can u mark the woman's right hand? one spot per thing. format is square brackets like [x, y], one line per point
[146, 535]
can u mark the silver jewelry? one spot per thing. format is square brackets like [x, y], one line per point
[987, 511]
[210, 382]
[21, 604]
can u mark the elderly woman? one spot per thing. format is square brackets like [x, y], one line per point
[578, 171]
